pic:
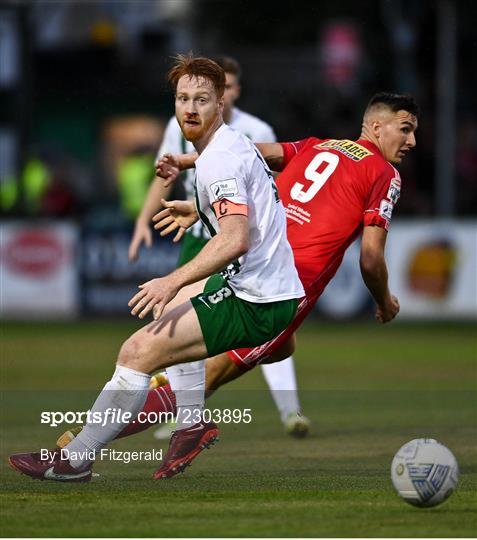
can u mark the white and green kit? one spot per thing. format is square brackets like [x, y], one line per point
[258, 296]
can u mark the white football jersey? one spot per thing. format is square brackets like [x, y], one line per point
[230, 167]
[173, 142]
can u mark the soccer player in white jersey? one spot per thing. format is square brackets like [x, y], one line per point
[196, 316]
[280, 376]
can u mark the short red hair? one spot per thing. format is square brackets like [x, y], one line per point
[199, 67]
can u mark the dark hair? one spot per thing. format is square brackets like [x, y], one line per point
[229, 65]
[395, 102]
[197, 66]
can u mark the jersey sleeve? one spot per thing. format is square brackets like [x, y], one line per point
[291, 149]
[382, 198]
[221, 176]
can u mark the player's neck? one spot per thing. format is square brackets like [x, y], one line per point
[202, 143]
[368, 135]
[227, 116]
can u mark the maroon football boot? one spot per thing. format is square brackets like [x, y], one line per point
[49, 467]
[185, 446]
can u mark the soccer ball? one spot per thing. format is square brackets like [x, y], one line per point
[424, 472]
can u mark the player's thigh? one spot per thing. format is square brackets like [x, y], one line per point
[282, 352]
[186, 293]
[277, 348]
[228, 321]
[176, 337]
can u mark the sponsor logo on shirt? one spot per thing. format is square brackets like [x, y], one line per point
[224, 188]
[394, 190]
[298, 214]
[350, 149]
[386, 209]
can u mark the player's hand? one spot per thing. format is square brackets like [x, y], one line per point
[168, 168]
[176, 215]
[387, 313]
[142, 233]
[153, 295]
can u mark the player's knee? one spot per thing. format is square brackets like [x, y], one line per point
[133, 353]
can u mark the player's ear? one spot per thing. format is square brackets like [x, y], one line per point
[376, 128]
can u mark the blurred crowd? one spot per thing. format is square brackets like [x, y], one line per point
[95, 103]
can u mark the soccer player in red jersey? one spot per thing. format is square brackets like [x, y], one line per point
[333, 191]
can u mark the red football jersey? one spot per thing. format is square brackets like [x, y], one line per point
[331, 189]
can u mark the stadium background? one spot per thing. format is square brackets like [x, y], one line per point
[83, 107]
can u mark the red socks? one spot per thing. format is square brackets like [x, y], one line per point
[160, 400]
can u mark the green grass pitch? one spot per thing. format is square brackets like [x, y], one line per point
[368, 389]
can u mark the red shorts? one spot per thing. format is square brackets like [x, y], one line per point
[249, 358]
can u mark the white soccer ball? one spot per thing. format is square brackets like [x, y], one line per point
[424, 472]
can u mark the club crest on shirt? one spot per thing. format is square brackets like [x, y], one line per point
[386, 209]
[224, 188]
[394, 190]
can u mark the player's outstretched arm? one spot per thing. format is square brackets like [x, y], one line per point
[152, 204]
[375, 273]
[273, 154]
[170, 165]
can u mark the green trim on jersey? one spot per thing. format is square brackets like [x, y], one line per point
[202, 216]
[183, 144]
[269, 174]
[228, 322]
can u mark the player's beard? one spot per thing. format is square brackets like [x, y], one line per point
[192, 132]
[196, 132]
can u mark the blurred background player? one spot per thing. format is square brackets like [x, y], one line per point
[280, 376]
